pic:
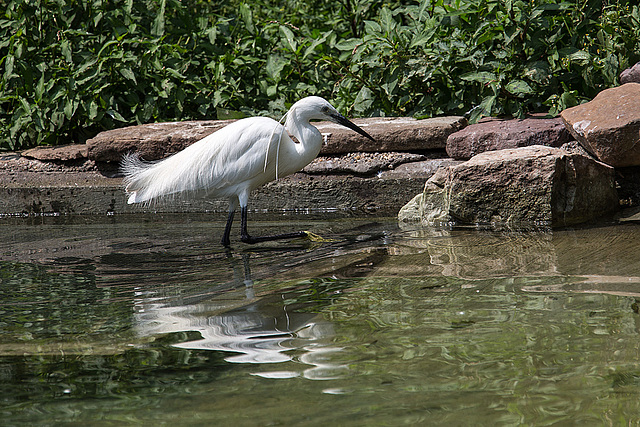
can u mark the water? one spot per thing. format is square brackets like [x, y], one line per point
[147, 320]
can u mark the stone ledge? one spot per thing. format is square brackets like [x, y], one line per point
[92, 193]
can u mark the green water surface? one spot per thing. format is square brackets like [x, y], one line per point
[146, 320]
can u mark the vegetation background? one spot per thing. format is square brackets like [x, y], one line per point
[72, 68]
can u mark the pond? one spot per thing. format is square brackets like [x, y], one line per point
[146, 319]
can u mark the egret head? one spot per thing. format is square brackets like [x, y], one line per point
[316, 108]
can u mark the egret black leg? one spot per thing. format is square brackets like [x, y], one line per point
[246, 238]
[227, 229]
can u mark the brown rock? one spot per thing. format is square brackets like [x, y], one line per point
[609, 126]
[391, 134]
[63, 153]
[359, 163]
[631, 75]
[155, 141]
[531, 185]
[495, 134]
[152, 141]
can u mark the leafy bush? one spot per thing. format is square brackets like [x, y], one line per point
[73, 68]
[486, 57]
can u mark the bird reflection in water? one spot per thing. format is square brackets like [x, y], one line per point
[262, 330]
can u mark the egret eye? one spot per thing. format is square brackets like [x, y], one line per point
[325, 109]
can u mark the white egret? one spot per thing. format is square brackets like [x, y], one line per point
[235, 160]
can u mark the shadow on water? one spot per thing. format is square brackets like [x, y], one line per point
[147, 319]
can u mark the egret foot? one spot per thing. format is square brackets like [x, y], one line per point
[316, 238]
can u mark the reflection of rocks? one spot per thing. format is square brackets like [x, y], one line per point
[473, 254]
[601, 260]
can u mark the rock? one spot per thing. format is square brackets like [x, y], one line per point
[391, 134]
[62, 153]
[152, 141]
[423, 169]
[631, 75]
[158, 140]
[496, 134]
[523, 185]
[609, 126]
[628, 185]
[359, 163]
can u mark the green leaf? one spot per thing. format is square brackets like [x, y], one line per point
[158, 23]
[386, 20]
[39, 91]
[212, 33]
[25, 105]
[247, 17]
[372, 27]
[348, 44]
[8, 66]
[128, 74]
[422, 38]
[115, 115]
[69, 108]
[93, 110]
[479, 76]
[289, 38]
[519, 87]
[363, 100]
[274, 67]
[66, 51]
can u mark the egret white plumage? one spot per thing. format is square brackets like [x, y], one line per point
[235, 160]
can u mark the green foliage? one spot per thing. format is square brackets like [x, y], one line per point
[72, 68]
[486, 57]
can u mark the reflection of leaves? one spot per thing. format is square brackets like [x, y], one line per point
[136, 373]
[41, 304]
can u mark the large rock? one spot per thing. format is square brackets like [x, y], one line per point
[609, 125]
[496, 134]
[524, 185]
[155, 141]
[62, 153]
[152, 141]
[391, 134]
[631, 75]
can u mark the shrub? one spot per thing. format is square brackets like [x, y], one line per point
[73, 68]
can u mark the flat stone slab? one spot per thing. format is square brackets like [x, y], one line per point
[152, 141]
[497, 134]
[157, 140]
[391, 134]
[609, 125]
[62, 153]
[29, 186]
[360, 163]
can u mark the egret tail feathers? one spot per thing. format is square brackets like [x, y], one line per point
[147, 181]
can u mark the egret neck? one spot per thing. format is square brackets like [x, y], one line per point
[309, 137]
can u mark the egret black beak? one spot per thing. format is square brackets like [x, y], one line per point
[342, 120]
